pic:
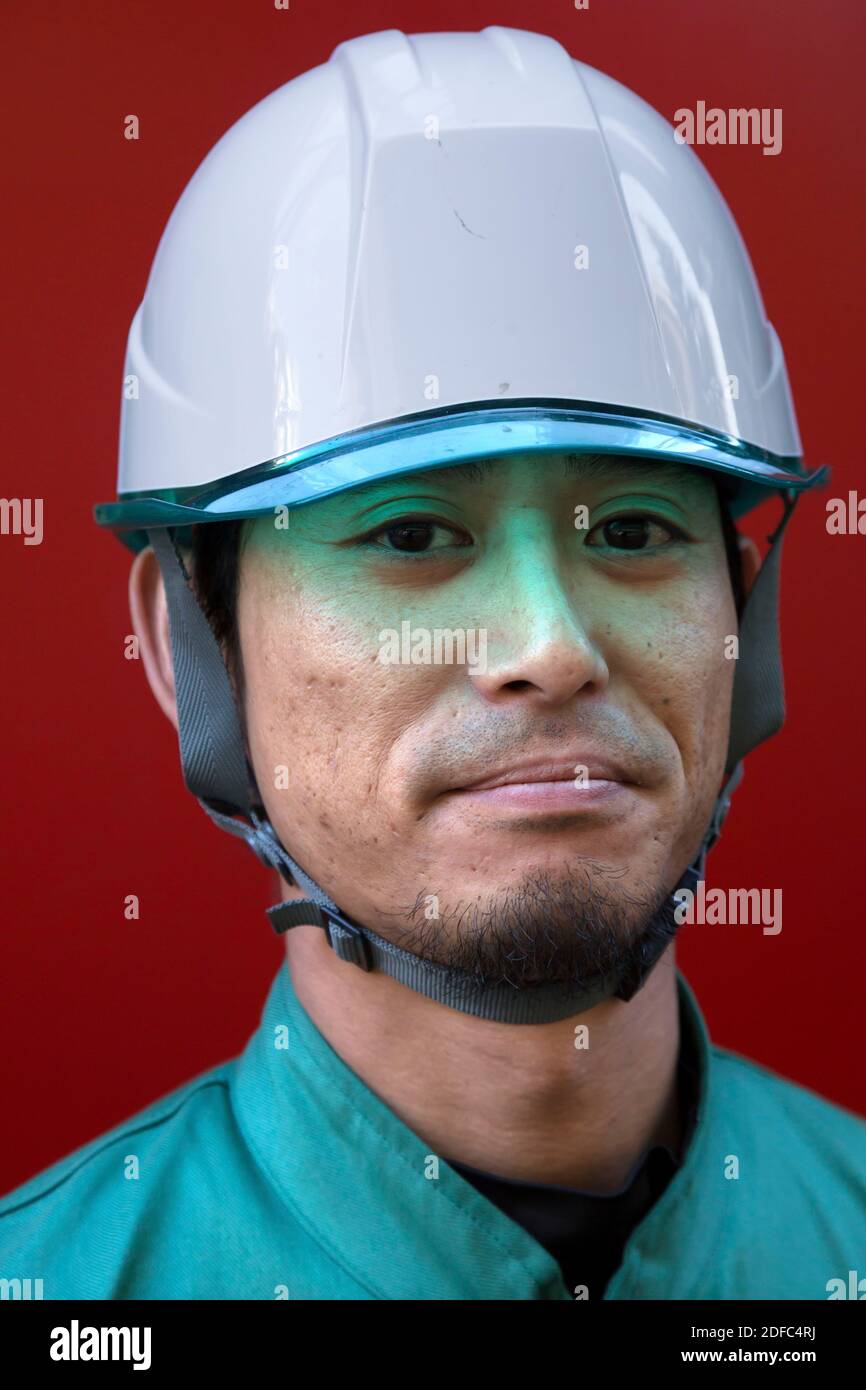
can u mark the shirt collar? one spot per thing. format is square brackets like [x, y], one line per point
[668, 1253]
[360, 1181]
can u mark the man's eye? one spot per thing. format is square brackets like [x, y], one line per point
[414, 537]
[635, 532]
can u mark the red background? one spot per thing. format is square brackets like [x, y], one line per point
[102, 1015]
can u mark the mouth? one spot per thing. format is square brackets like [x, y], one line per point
[579, 769]
[574, 784]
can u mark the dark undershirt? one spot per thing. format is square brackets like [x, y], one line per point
[586, 1232]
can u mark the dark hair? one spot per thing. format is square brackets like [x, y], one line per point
[216, 566]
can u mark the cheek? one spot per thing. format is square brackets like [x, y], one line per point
[679, 660]
[319, 703]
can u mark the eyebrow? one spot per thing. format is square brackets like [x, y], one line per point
[586, 467]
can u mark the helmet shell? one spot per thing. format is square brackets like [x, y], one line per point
[437, 221]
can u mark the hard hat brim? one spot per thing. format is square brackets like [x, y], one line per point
[457, 435]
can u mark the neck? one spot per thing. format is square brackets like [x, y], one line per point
[521, 1101]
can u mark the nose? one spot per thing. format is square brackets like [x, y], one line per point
[539, 647]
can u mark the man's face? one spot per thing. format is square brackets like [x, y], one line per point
[604, 651]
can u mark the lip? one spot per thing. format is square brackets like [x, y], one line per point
[556, 795]
[601, 771]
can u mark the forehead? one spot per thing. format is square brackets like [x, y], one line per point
[615, 468]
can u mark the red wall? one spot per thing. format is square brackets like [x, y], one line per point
[102, 1015]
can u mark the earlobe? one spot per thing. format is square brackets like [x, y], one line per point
[750, 557]
[149, 612]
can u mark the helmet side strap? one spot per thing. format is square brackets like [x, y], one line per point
[212, 752]
[758, 704]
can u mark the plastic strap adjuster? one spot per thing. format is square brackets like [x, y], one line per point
[721, 809]
[346, 941]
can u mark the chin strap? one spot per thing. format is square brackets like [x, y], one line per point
[458, 989]
[217, 771]
[503, 1003]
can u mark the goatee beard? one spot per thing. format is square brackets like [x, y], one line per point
[569, 931]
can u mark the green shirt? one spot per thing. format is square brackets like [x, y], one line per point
[280, 1174]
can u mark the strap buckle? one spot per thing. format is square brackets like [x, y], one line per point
[720, 811]
[346, 940]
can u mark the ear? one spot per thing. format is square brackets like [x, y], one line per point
[149, 612]
[750, 557]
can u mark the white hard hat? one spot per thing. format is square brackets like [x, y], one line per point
[454, 223]
[433, 248]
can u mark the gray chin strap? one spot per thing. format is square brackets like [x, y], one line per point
[217, 771]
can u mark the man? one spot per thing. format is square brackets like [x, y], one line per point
[450, 382]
